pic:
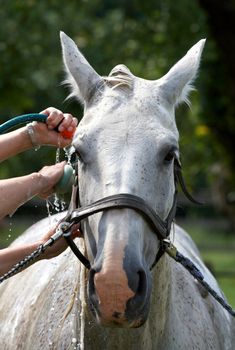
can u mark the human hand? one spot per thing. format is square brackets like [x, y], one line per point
[59, 246]
[45, 133]
[48, 178]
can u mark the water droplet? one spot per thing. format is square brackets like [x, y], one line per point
[57, 157]
[68, 153]
[48, 207]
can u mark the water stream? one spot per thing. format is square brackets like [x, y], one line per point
[82, 297]
[55, 205]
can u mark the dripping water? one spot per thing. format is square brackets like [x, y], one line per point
[82, 290]
[49, 213]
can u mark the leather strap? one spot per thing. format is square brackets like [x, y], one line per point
[125, 200]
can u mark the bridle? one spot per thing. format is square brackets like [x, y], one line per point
[160, 227]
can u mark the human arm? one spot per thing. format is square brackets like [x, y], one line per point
[12, 255]
[19, 140]
[16, 191]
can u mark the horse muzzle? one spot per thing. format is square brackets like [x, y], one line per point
[119, 298]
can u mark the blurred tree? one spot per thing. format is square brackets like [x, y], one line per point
[31, 66]
[148, 37]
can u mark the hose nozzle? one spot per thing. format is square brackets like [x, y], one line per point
[66, 182]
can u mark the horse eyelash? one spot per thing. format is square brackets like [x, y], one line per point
[171, 155]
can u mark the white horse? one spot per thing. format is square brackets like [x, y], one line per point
[127, 143]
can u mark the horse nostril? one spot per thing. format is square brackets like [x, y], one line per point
[91, 288]
[137, 281]
[142, 283]
[141, 294]
[92, 280]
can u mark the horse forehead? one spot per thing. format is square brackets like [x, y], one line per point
[142, 101]
[147, 92]
[135, 110]
[125, 130]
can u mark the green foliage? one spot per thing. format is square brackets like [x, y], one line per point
[147, 36]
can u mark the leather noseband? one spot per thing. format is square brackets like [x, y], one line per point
[125, 200]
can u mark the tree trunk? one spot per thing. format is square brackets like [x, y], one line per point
[219, 106]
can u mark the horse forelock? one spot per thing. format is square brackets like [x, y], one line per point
[119, 81]
[119, 78]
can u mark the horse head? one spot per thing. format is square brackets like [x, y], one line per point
[127, 142]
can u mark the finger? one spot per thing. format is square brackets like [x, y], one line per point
[54, 119]
[67, 123]
[75, 121]
[74, 124]
[75, 231]
[75, 227]
[76, 234]
[49, 110]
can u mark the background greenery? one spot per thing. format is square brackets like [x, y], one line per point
[149, 37]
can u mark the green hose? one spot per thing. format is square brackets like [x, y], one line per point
[22, 119]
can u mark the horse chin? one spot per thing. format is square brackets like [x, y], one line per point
[121, 323]
[114, 324]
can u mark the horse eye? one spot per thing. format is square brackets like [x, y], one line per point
[169, 157]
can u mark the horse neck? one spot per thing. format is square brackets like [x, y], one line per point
[161, 294]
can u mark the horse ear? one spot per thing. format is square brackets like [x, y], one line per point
[81, 76]
[176, 84]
